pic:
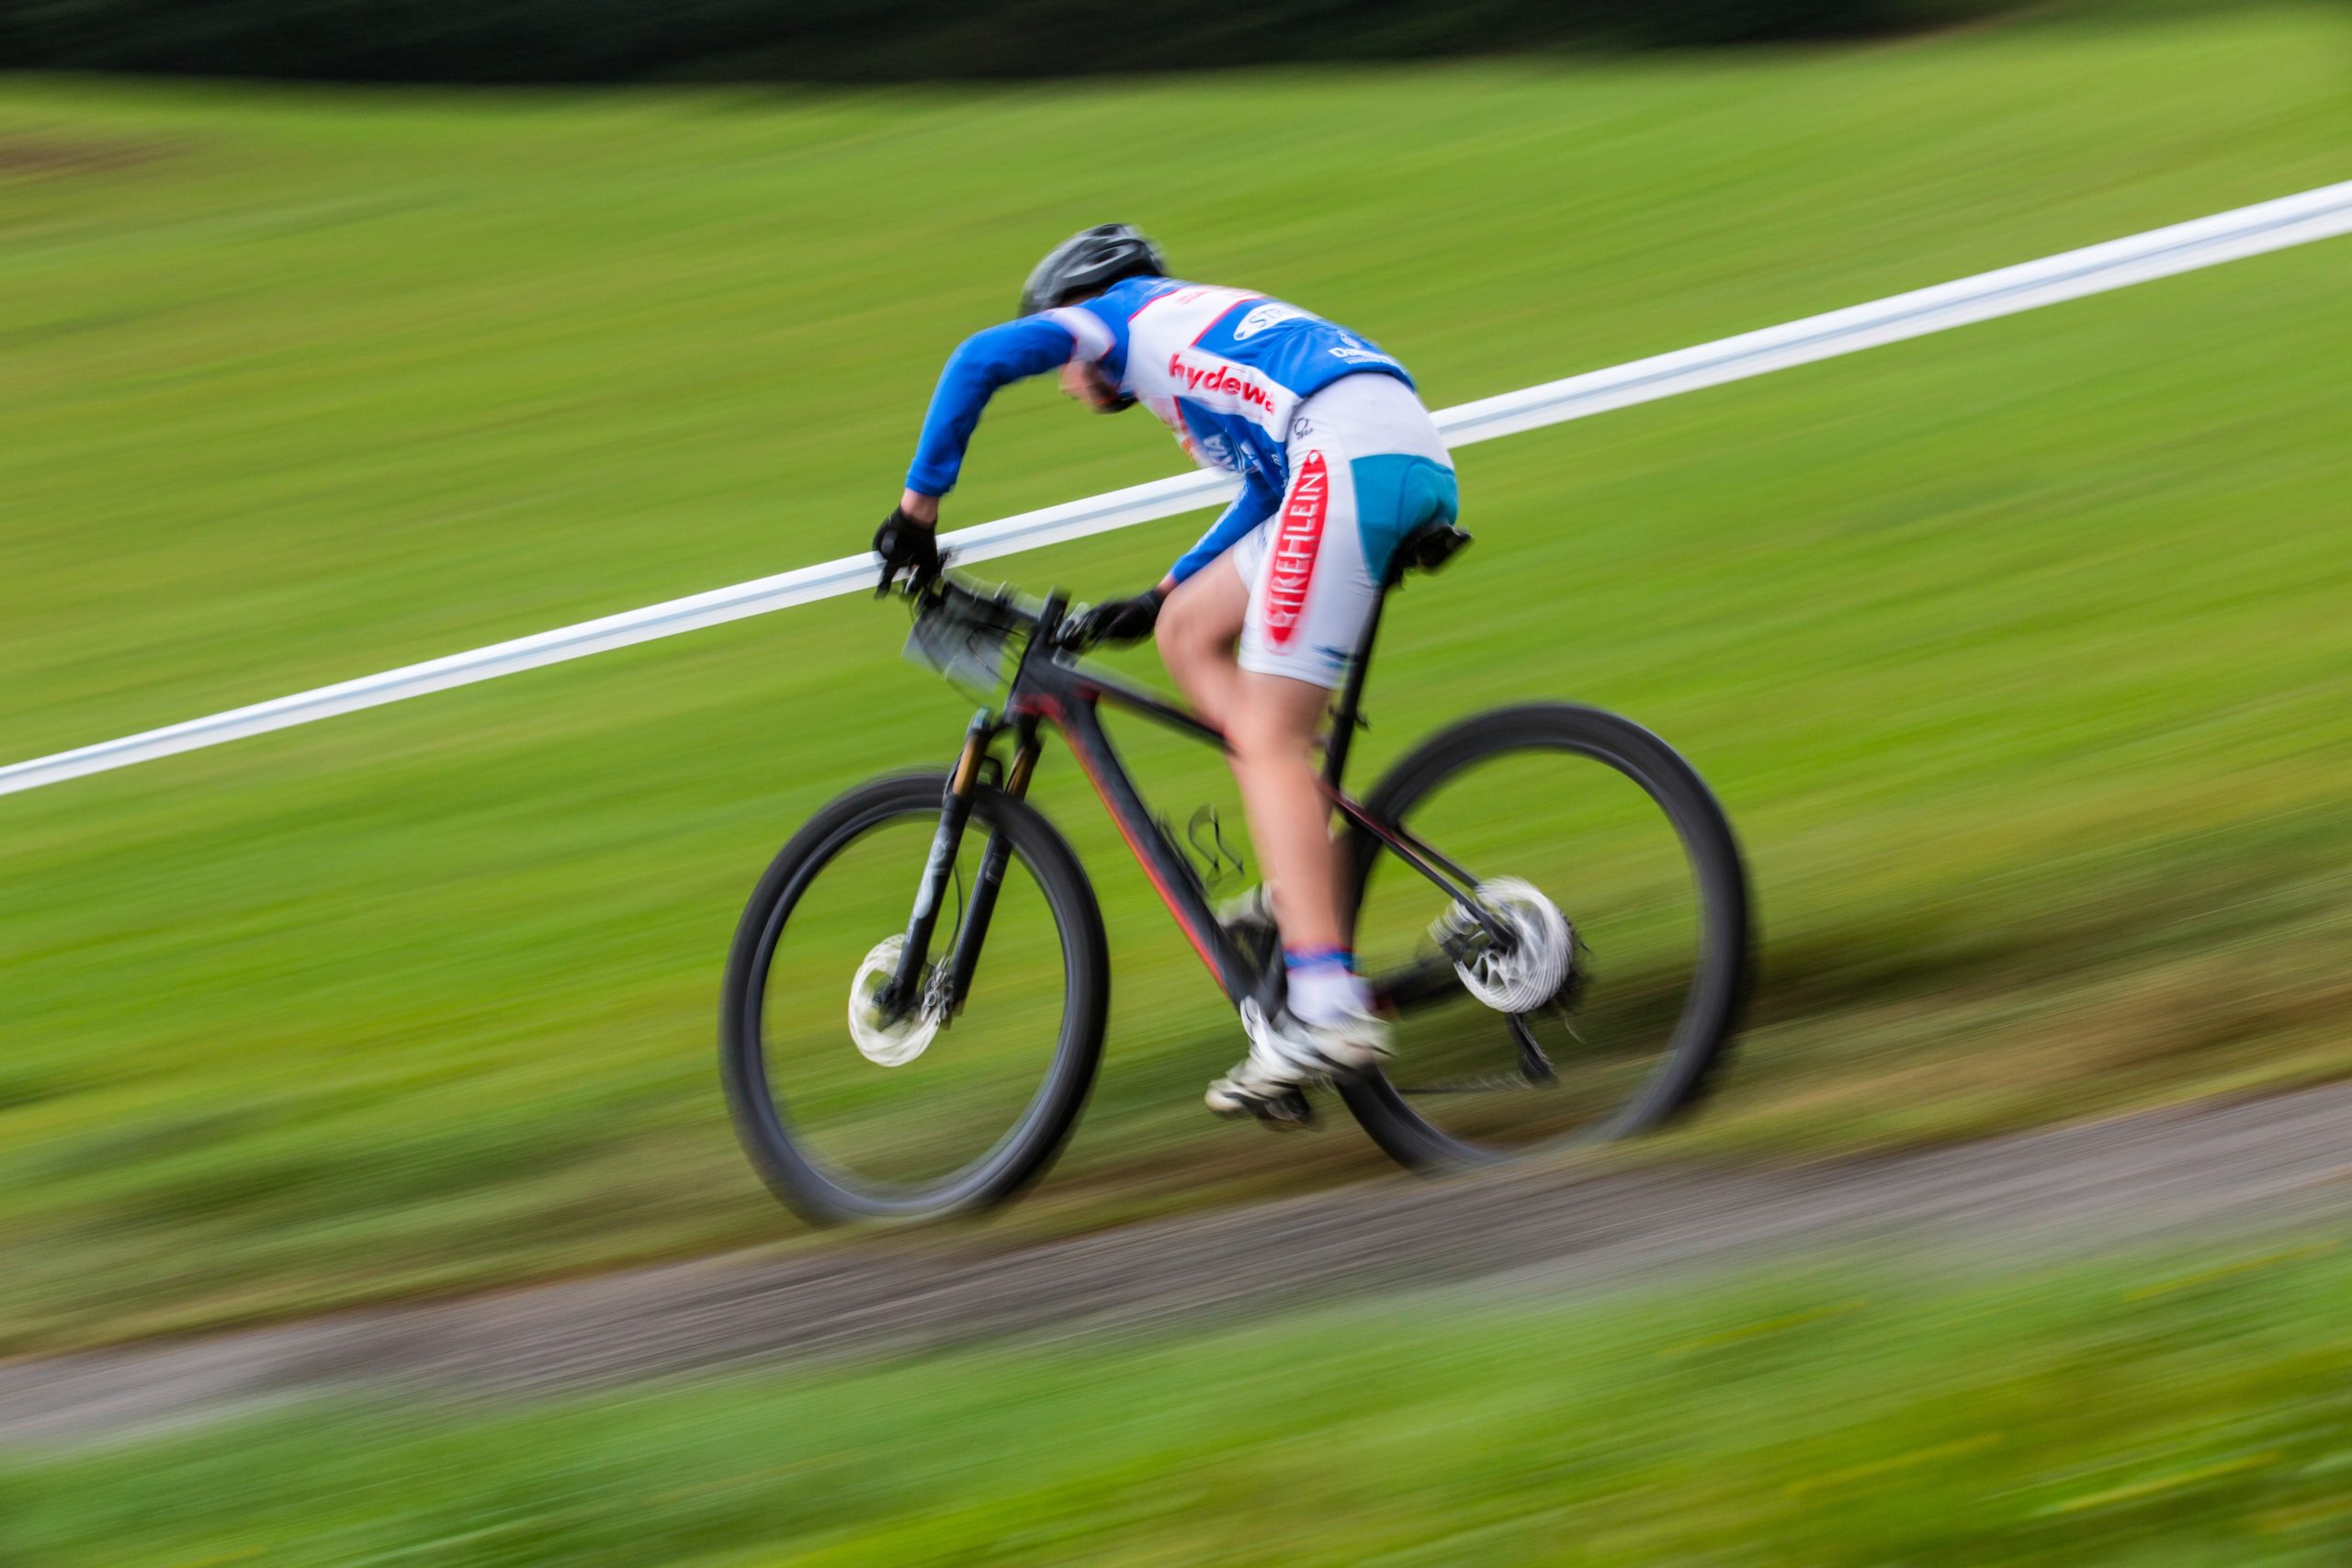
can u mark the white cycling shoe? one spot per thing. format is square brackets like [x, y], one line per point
[1288, 1055]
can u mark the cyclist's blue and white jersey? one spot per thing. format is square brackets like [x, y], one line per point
[1225, 368]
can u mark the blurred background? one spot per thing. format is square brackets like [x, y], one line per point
[335, 336]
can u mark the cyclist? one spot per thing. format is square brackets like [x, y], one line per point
[1338, 462]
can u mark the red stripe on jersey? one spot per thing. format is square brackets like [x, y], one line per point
[1246, 302]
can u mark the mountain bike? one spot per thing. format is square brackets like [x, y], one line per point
[1547, 900]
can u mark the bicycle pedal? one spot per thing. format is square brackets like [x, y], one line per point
[1292, 1112]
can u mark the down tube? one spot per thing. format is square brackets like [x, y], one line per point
[1171, 878]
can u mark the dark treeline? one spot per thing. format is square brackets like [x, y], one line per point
[868, 40]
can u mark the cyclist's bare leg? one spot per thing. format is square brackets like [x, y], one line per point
[1198, 627]
[1271, 722]
[1272, 730]
[1324, 1026]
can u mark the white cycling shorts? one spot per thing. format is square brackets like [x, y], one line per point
[1367, 467]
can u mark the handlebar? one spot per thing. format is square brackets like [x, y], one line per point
[967, 631]
[958, 599]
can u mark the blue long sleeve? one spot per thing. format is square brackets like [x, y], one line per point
[1253, 506]
[982, 363]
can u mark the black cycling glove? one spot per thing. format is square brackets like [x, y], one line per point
[906, 546]
[1121, 620]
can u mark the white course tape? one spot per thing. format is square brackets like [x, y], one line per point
[2160, 252]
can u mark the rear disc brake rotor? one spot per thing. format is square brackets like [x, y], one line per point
[1534, 968]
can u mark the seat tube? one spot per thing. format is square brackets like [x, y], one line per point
[1343, 719]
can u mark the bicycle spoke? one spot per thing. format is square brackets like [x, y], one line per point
[1490, 1084]
[908, 1105]
[1512, 1035]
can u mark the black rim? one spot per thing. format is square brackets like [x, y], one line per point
[804, 1148]
[1459, 1111]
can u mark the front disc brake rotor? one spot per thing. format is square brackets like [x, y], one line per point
[895, 1041]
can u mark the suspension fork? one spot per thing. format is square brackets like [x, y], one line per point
[994, 858]
[905, 990]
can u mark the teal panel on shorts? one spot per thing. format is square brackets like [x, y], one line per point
[1395, 495]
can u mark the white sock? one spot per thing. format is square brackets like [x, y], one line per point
[1327, 993]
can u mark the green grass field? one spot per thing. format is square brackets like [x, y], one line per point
[2018, 653]
[2173, 1410]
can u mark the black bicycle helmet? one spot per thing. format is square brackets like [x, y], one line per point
[1089, 262]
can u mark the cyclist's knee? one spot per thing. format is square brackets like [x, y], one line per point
[1192, 628]
[1275, 719]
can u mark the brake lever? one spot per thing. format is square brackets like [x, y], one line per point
[1070, 636]
[917, 585]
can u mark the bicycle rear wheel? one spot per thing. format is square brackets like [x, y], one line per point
[850, 1116]
[1614, 990]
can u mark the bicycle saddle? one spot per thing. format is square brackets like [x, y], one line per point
[1426, 548]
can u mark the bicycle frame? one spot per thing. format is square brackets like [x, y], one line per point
[1050, 686]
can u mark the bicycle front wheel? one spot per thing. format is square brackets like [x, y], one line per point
[850, 1112]
[1593, 993]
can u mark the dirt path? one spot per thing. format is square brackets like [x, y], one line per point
[2274, 1162]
